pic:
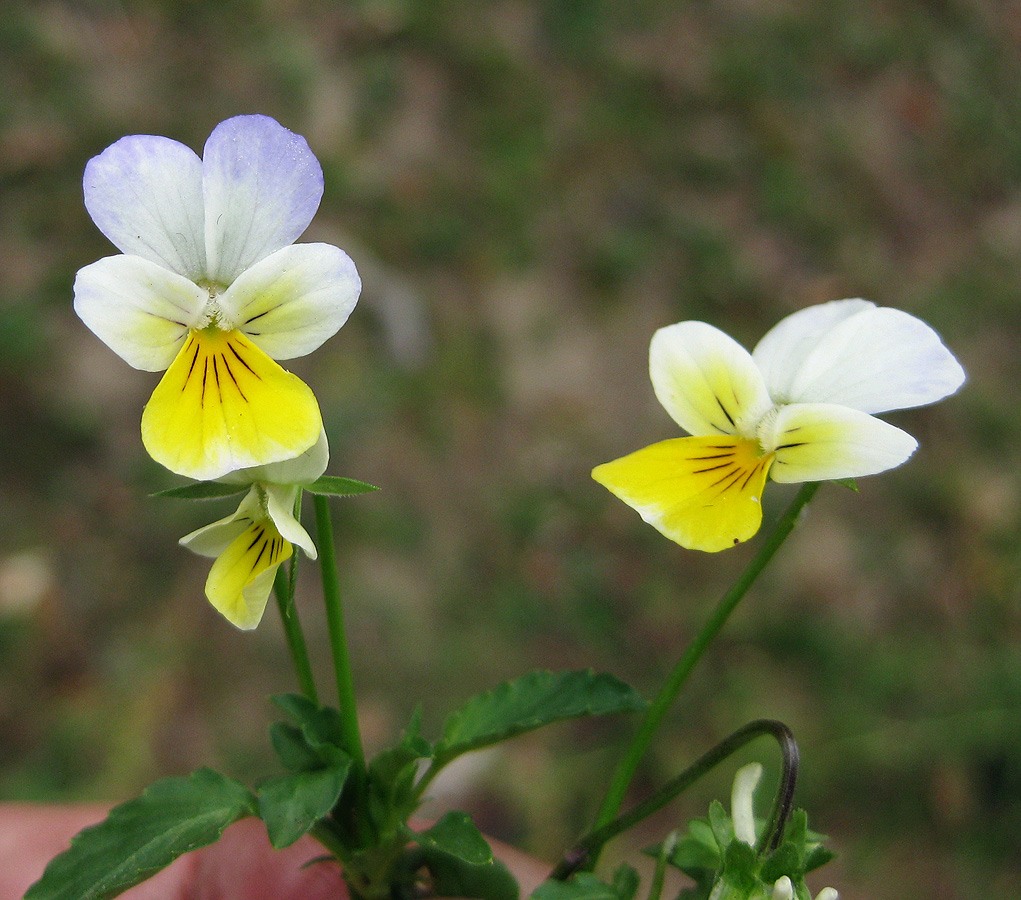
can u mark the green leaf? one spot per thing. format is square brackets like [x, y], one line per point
[453, 877]
[144, 835]
[291, 804]
[335, 486]
[202, 490]
[534, 700]
[456, 835]
[583, 886]
[319, 724]
[626, 881]
[294, 749]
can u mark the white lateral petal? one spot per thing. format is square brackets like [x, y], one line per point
[280, 500]
[144, 193]
[211, 540]
[742, 808]
[785, 346]
[823, 441]
[262, 185]
[705, 380]
[294, 300]
[303, 469]
[139, 309]
[877, 360]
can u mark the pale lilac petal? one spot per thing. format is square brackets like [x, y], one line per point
[145, 194]
[294, 300]
[140, 310]
[705, 380]
[783, 349]
[262, 186]
[877, 360]
[823, 441]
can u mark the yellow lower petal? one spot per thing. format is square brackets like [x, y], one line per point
[224, 405]
[703, 493]
[239, 582]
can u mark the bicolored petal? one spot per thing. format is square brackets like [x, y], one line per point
[280, 501]
[145, 194]
[241, 578]
[293, 300]
[224, 405]
[262, 185]
[139, 309]
[874, 360]
[823, 441]
[705, 380]
[211, 540]
[303, 469]
[703, 493]
[784, 348]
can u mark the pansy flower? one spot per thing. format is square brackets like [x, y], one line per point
[799, 408]
[249, 545]
[211, 287]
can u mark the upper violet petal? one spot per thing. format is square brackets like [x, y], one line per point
[144, 193]
[262, 186]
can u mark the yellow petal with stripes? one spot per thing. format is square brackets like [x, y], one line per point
[703, 493]
[224, 405]
[240, 580]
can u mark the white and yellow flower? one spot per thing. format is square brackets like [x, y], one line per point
[799, 408]
[249, 545]
[211, 287]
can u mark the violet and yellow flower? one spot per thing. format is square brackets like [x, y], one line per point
[249, 545]
[799, 408]
[211, 287]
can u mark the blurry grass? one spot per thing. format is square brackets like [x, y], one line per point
[528, 198]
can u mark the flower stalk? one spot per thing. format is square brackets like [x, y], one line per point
[684, 666]
[335, 625]
[283, 588]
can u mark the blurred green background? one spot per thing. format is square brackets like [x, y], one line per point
[529, 189]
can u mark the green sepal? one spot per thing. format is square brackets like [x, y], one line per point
[291, 804]
[532, 701]
[722, 826]
[335, 486]
[138, 838]
[202, 490]
[850, 483]
[740, 867]
[455, 835]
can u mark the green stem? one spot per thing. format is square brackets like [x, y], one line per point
[335, 624]
[668, 693]
[283, 587]
[585, 852]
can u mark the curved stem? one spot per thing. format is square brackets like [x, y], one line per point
[586, 851]
[283, 588]
[335, 624]
[668, 693]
